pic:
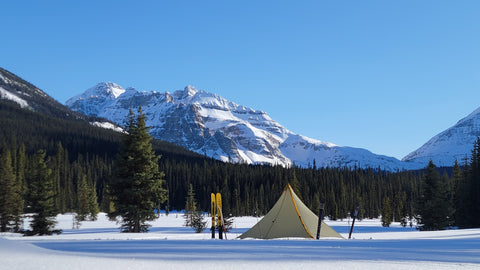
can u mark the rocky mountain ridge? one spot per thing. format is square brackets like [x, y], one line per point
[211, 125]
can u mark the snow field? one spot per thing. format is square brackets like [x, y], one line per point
[169, 245]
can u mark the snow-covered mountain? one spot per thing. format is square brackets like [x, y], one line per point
[455, 143]
[27, 96]
[208, 124]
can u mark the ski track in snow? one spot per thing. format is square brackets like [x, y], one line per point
[169, 245]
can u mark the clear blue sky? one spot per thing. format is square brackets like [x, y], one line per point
[380, 75]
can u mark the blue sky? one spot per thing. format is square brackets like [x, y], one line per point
[381, 75]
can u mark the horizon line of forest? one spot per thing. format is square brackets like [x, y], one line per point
[247, 190]
[81, 160]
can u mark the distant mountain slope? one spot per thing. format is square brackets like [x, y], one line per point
[455, 143]
[31, 117]
[211, 125]
[28, 96]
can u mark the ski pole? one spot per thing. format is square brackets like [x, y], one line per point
[353, 222]
[320, 217]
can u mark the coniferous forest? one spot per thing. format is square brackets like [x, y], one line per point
[80, 160]
[245, 189]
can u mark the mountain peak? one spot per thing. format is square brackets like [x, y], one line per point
[454, 143]
[107, 88]
[189, 91]
[102, 90]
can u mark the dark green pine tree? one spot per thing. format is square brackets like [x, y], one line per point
[9, 192]
[93, 207]
[137, 187]
[63, 194]
[21, 186]
[190, 207]
[87, 206]
[41, 196]
[458, 179]
[474, 185]
[199, 224]
[296, 184]
[82, 198]
[386, 212]
[434, 206]
[468, 192]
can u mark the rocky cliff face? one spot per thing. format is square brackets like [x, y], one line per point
[208, 124]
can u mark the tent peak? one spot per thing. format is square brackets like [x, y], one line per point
[289, 217]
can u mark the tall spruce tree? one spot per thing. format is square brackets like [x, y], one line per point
[434, 206]
[468, 192]
[41, 196]
[137, 187]
[82, 198]
[474, 186]
[9, 192]
[93, 207]
[458, 184]
[20, 167]
[386, 212]
[87, 206]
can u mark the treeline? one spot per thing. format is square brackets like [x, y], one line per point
[76, 150]
[253, 189]
[81, 163]
[446, 201]
[246, 189]
[72, 185]
[465, 191]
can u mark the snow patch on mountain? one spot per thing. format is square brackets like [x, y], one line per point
[455, 143]
[107, 125]
[21, 85]
[305, 150]
[102, 90]
[4, 94]
[3, 78]
[211, 125]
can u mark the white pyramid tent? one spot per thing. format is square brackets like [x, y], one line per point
[289, 217]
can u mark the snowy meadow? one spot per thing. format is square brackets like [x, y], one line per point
[170, 245]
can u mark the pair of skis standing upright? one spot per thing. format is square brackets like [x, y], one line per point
[216, 211]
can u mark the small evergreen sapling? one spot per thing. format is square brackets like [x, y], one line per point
[190, 207]
[199, 223]
[228, 222]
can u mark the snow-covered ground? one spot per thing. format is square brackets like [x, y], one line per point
[169, 245]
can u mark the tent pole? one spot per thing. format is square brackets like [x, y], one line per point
[320, 218]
